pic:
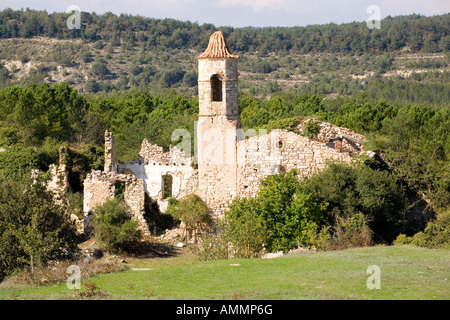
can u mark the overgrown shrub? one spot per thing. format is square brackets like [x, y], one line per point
[113, 227]
[244, 228]
[311, 129]
[192, 212]
[157, 222]
[282, 217]
[353, 189]
[350, 232]
[211, 246]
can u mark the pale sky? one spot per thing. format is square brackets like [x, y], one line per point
[242, 13]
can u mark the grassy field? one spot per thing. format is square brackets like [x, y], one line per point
[405, 273]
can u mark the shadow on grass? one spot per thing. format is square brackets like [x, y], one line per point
[148, 249]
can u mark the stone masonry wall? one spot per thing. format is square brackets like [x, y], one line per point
[134, 197]
[153, 154]
[281, 150]
[100, 186]
[59, 182]
[110, 152]
[337, 137]
[154, 164]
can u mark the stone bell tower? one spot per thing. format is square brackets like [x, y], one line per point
[218, 122]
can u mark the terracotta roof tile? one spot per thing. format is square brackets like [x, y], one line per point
[217, 48]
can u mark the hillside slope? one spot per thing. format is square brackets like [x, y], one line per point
[116, 53]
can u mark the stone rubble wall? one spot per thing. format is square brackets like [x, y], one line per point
[281, 150]
[59, 182]
[134, 198]
[153, 154]
[337, 137]
[184, 178]
[110, 152]
[98, 187]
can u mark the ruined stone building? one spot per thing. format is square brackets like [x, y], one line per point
[228, 162]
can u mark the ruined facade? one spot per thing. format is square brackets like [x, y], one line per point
[228, 163]
[101, 185]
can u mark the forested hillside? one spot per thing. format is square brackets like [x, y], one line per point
[428, 34]
[115, 53]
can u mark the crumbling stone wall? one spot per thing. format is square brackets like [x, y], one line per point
[59, 183]
[134, 197]
[100, 186]
[339, 138]
[154, 154]
[281, 150]
[154, 164]
[110, 153]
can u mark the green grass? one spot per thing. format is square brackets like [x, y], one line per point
[406, 273]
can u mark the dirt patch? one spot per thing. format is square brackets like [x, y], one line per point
[17, 68]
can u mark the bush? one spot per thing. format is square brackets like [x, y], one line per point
[291, 212]
[282, 217]
[100, 69]
[113, 227]
[157, 222]
[92, 86]
[353, 189]
[438, 231]
[244, 228]
[401, 240]
[86, 56]
[311, 129]
[351, 232]
[192, 212]
[211, 247]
